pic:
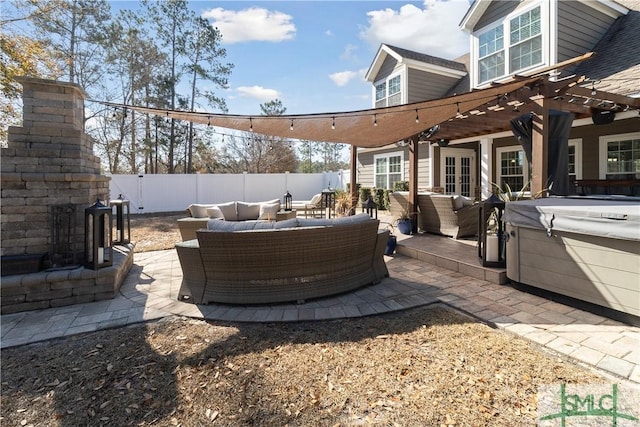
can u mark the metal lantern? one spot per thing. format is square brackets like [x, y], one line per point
[491, 243]
[329, 201]
[123, 222]
[98, 221]
[370, 207]
[288, 201]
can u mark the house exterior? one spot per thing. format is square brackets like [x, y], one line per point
[507, 39]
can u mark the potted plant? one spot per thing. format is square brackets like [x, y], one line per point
[405, 222]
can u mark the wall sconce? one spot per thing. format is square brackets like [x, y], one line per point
[123, 222]
[98, 222]
[288, 201]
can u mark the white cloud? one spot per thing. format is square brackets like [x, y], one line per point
[343, 77]
[253, 24]
[328, 33]
[258, 92]
[432, 30]
[348, 53]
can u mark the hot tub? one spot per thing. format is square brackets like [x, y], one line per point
[586, 248]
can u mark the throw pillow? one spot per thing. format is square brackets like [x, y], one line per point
[248, 211]
[215, 212]
[198, 210]
[458, 202]
[229, 211]
[268, 211]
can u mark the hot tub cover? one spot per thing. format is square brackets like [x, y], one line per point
[617, 218]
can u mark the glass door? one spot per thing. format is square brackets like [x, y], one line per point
[457, 171]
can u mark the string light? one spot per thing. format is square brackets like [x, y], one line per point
[208, 121]
[291, 126]
[375, 120]
[333, 123]
[250, 124]
[593, 88]
[417, 116]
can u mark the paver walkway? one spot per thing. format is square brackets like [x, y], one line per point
[151, 289]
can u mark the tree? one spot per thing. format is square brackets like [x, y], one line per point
[256, 153]
[74, 30]
[21, 55]
[203, 52]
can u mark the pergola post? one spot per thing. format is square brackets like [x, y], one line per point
[412, 205]
[353, 170]
[540, 148]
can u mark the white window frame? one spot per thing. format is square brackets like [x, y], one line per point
[387, 156]
[577, 143]
[505, 22]
[525, 165]
[386, 81]
[602, 149]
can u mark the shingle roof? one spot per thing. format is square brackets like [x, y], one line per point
[428, 59]
[615, 66]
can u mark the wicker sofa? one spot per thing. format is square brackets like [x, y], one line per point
[452, 216]
[273, 262]
[198, 215]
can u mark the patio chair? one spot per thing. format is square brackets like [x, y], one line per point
[313, 206]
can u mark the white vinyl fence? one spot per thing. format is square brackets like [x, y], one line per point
[173, 193]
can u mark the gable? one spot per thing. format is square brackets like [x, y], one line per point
[580, 27]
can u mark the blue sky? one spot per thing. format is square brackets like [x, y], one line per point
[313, 55]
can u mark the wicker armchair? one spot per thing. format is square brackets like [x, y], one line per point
[308, 258]
[439, 214]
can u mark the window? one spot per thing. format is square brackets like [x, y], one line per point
[575, 159]
[525, 41]
[389, 92]
[523, 47]
[621, 156]
[388, 169]
[491, 49]
[512, 168]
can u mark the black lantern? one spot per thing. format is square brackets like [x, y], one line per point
[491, 244]
[123, 223]
[288, 201]
[370, 207]
[328, 201]
[98, 221]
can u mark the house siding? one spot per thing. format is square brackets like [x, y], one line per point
[580, 27]
[495, 12]
[387, 68]
[590, 136]
[424, 86]
[365, 165]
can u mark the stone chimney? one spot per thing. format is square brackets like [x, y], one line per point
[48, 169]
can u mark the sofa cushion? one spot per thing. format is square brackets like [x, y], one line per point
[199, 210]
[268, 211]
[247, 211]
[216, 225]
[228, 211]
[215, 212]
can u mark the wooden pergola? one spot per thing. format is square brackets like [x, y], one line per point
[471, 114]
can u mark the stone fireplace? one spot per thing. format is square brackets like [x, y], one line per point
[49, 176]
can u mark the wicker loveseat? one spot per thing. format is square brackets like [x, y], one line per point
[272, 262]
[452, 216]
[198, 215]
